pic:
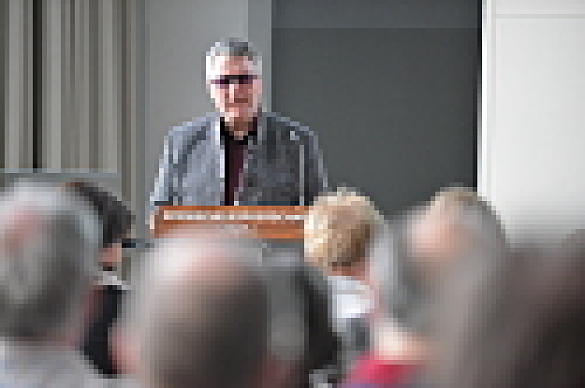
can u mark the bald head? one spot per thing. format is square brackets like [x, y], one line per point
[201, 314]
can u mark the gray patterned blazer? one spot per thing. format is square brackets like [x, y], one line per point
[283, 167]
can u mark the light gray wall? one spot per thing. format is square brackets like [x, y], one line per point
[389, 87]
[533, 106]
[3, 60]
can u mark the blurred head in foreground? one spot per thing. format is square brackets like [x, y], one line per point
[338, 232]
[454, 224]
[412, 262]
[200, 314]
[524, 326]
[49, 243]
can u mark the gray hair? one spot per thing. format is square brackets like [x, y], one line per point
[232, 47]
[470, 211]
[404, 290]
[196, 331]
[50, 246]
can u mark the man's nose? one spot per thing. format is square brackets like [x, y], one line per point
[232, 88]
[231, 91]
[235, 90]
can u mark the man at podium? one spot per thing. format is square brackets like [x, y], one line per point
[240, 155]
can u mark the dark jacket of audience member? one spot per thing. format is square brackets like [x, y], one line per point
[116, 220]
[301, 309]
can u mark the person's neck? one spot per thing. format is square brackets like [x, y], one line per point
[239, 129]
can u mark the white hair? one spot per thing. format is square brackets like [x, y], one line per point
[232, 47]
[50, 246]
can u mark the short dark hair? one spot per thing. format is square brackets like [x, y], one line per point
[115, 217]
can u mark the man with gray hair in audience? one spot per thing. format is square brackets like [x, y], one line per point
[199, 315]
[49, 244]
[214, 311]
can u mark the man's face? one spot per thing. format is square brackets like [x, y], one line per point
[235, 88]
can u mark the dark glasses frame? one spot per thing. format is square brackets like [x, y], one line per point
[238, 79]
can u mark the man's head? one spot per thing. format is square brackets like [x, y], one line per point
[200, 315]
[233, 75]
[49, 244]
[457, 229]
[338, 232]
[456, 222]
[115, 218]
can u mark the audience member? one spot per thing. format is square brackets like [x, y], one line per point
[455, 222]
[407, 276]
[339, 230]
[199, 316]
[522, 324]
[49, 243]
[116, 220]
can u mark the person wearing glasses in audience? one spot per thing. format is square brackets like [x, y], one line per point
[109, 291]
[242, 154]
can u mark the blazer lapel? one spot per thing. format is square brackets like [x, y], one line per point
[254, 169]
[202, 182]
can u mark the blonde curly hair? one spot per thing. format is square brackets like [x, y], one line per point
[338, 229]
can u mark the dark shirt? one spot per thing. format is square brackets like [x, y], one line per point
[107, 306]
[235, 156]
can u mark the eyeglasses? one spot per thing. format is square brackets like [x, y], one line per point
[238, 79]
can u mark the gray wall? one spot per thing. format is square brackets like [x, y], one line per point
[3, 60]
[389, 87]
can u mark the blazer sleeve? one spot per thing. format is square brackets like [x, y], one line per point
[164, 190]
[315, 176]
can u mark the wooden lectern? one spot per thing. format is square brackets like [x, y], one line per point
[263, 222]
